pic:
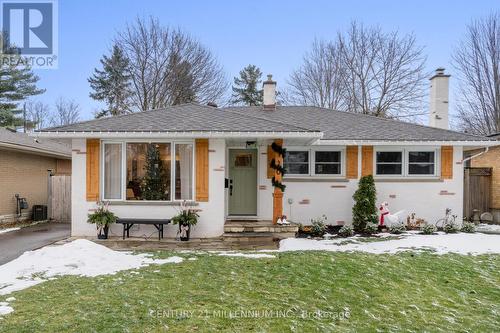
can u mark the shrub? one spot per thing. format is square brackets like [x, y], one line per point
[428, 229]
[346, 231]
[451, 228]
[371, 228]
[318, 227]
[397, 229]
[468, 227]
[364, 210]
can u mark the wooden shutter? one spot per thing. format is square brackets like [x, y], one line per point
[366, 160]
[446, 162]
[201, 169]
[351, 162]
[270, 155]
[93, 147]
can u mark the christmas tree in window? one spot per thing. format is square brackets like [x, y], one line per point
[154, 184]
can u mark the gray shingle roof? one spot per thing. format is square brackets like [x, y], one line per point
[335, 125]
[21, 141]
[181, 118]
[338, 125]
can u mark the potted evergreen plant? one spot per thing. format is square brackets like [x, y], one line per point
[102, 218]
[186, 218]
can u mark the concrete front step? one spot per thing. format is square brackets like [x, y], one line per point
[238, 227]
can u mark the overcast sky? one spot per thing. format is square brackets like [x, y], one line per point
[270, 34]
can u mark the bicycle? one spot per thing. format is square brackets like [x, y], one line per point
[447, 219]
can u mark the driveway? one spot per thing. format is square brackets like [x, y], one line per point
[15, 243]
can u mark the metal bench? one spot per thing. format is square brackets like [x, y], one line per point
[129, 222]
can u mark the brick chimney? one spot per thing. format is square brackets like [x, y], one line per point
[269, 87]
[439, 107]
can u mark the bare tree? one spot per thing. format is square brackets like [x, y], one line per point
[169, 67]
[320, 79]
[365, 71]
[66, 112]
[38, 114]
[477, 61]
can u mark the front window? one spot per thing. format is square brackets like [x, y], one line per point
[389, 163]
[148, 171]
[183, 171]
[112, 171]
[327, 163]
[297, 162]
[421, 163]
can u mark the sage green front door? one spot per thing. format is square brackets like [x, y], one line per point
[243, 182]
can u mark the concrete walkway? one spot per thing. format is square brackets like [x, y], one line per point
[15, 243]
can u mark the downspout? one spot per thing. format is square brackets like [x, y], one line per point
[476, 155]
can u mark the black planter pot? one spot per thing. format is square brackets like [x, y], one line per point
[186, 238]
[103, 233]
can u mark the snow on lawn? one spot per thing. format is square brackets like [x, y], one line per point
[441, 243]
[3, 231]
[489, 228]
[80, 257]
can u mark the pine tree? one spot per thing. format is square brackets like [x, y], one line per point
[154, 186]
[364, 210]
[17, 83]
[111, 85]
[245, 89]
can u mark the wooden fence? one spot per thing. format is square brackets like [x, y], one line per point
[477, 193]
[60, 198]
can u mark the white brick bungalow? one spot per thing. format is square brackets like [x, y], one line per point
[218, 159]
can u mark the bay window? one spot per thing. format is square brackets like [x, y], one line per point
[152, 171]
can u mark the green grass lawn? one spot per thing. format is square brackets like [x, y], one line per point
[404, 292]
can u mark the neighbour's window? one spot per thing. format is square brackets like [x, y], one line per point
[421, 163]
[148, 171]
[389, 163]
[297, 162]
[183, 171]
[112, 171]
[327, 163]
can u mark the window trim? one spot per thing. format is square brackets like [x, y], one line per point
[312, 162]
[308, 163]
[124, 169]
[102, 173]
[436, 162]
[405, 161]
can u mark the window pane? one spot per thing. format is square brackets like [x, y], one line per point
[421, 169]
[389, 156]
[297, 169]
[297, 162]
[388, 169]
[296, 156]
[183, 171]
[327, 169]
[327, 156]
[148, 171]
[421, 156]
[112, 171]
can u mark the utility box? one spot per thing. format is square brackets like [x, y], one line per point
[39, 213]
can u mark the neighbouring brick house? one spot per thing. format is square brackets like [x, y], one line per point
[24, 165]
[491, 159]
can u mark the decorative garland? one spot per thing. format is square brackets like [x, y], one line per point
[279, 168]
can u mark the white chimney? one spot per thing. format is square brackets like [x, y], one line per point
[269, 87]
[438, 116]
